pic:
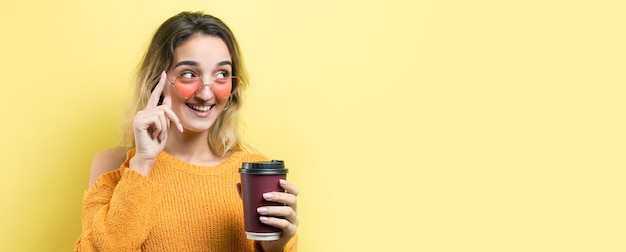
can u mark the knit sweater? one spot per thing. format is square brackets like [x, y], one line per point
[179, 207]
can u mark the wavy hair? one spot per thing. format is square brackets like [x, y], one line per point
[224, 134]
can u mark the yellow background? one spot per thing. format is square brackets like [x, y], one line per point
[408, 125]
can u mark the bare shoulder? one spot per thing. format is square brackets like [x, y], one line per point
[106, 161]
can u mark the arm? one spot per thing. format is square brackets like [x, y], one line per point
[118, 208]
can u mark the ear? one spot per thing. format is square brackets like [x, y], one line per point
[239, 189]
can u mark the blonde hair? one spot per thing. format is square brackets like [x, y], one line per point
[224, 134]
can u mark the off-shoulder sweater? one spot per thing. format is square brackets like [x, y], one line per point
[179, 207]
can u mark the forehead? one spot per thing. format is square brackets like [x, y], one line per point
[203, 49]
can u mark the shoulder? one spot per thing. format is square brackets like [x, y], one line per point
[106, 161]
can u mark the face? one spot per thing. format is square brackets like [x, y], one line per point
[206, 60]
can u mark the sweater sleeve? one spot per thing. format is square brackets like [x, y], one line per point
[118, 211]
[292, 245]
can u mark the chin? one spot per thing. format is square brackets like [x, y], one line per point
[198, 128]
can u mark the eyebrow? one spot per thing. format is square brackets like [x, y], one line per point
[194, 63]
[186, 63]
[225, 62]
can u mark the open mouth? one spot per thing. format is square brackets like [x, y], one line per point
[203, 108]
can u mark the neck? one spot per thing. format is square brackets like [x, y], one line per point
[191, 147]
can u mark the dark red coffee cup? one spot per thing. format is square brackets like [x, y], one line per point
[258, 178]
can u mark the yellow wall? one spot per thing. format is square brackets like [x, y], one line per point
[408, 125]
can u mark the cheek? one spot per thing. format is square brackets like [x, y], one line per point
[222, 91]
[186, 91]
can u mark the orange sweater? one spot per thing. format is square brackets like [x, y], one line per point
[179, 207]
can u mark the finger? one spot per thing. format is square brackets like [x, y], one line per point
[149, 122]
[172, 116]
[153, 101]
[289, 187]
[142, 122]
[280, 197]
[157, 126]
[163, 115]
[164, 123]
[287, 227]
[279, 211]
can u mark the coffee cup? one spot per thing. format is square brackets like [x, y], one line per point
[258, 178]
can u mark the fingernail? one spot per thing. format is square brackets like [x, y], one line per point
[262, 210]
[263, 218]
[282, 181]
[268, 196]
[180, 127]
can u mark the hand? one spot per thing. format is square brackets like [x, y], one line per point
[150, 127]
[283, 217]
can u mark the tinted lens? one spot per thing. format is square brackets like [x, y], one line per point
[187, 81]
[222, 87]
[222, 81]
[186, 87]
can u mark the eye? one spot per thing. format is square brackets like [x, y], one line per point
[222, 75]
[188, 75]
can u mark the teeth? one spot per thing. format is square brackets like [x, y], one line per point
[200, 108]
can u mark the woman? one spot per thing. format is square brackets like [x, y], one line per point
[177, 188]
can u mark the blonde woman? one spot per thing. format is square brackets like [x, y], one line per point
[175, 189]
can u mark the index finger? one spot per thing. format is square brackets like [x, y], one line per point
[289, 187]
[156, 93]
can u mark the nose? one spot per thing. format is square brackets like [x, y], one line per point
[205, 92]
